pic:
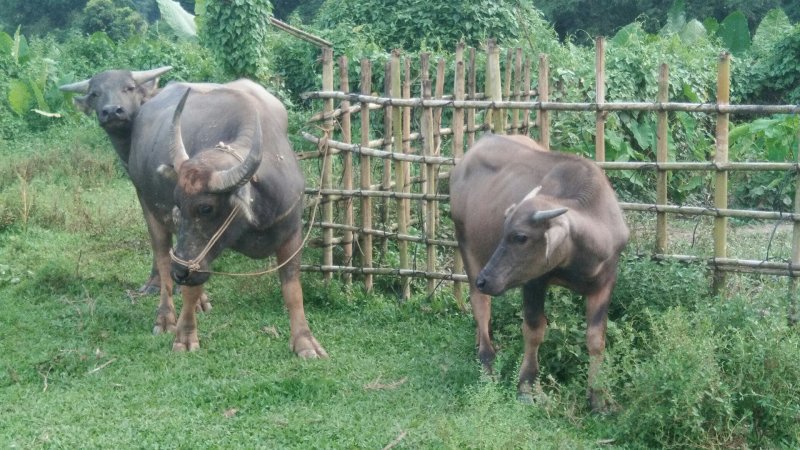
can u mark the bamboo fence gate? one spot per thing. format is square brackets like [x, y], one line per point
[389, 185]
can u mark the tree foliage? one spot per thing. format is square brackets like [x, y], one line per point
[588, 18]
[236, 31]
[40, 16]
[413, 24]
[118, 21]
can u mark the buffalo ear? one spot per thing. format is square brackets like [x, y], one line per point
[168, 172]
[510, 210]
[150, 88]
[82, 104]
[244, 198]
[555, 236]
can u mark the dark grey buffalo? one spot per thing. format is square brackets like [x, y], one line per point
[115, 96]
[528, 217]
[219, 156]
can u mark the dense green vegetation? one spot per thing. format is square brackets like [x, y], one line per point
[685, 368]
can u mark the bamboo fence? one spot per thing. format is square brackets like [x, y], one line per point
[391, 224]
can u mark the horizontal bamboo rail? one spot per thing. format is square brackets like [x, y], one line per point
[298, 33]
[385, 271]
[710, 211]
[361, 150]
[379, 194]
[708, 108]
[386, 233]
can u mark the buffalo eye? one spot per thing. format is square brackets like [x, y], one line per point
[519, 238]
[129, 88]
[205, 210]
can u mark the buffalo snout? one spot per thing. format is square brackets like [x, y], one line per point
[183, 276]
[486, 285]
[112, 113]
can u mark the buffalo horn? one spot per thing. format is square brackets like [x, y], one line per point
[540, 216]
[143, 76]
[176, 149]
[80, 87]
[239, 175]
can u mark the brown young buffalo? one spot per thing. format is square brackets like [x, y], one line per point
[526, 217]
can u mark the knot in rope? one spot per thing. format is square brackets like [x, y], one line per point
[194, 264]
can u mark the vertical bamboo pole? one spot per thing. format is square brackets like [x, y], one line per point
[526, 96]
[472, 94]
[662, 146]
[437, 130]
[386, 180]
[515, 129]
[366, 174]
[458, 152]
[494, 92]
[424, 76]
[428, 124]
[327, 126]
[793, 313]
[400, 168]
[437, 113]
[347, 162]
[544, 96]
[507, 83]
[600, 98]
[721, 176]
[407, 131]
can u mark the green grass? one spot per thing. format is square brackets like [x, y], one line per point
[80, 369]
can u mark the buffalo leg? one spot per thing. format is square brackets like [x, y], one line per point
[596, 323]
[161, 241]
[153, 284]
[481, 311]
[186, 331]
[534, 324]
[301, 342]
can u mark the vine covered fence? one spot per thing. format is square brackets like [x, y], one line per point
[388, 213]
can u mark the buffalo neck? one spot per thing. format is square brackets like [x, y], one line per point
[121, 140]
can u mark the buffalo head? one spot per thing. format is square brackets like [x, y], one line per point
[533, 234]
[209, 193]
[116, 95]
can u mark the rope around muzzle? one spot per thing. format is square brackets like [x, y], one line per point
[194, 264]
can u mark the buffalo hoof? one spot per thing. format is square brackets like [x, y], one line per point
[149, 289]
[186, 342]
[599, 402]
[526, 398]
[165, 322]
[185, 346]
[204, 304]
[307, 347]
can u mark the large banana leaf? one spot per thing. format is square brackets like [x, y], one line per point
[19, 97]
[181, 22]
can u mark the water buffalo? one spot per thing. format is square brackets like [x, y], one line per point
[528, 217]
[229, 151]
[115, 96]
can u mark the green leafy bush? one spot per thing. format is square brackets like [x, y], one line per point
[676, 397]
[236, 31]
[771, 139]
[109, 16]
[707, 373]
[412, 25]
[772, 73]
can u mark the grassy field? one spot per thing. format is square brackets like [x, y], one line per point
[80, 369]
